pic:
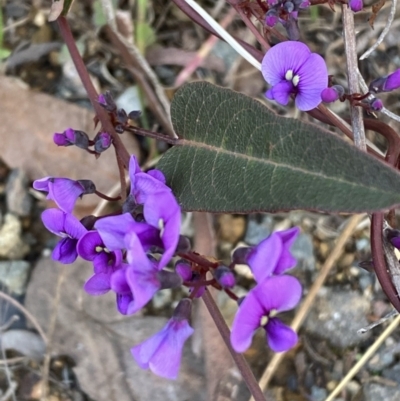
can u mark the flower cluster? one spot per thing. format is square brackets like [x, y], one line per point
[131, 253]
[291, 69]
[273, 293]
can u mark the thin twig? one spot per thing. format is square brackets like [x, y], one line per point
[239, 359]
[28, 314]
[308, 301]
[384, 32]
[370, 352]
[224, 34]
[351, 57]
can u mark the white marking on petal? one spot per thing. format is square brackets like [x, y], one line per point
[289, 75]
[296, 80]
[264, 321]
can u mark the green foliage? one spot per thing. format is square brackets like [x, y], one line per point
[237, 156]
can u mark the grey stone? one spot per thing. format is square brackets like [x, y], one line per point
[11, 244]
[17, 196]
[318, 393]
[336, 317]
[25, 342]
[392, 373]
[303, 251]
[259, 227]
[381, 360]
[14, 275]
[375, 392]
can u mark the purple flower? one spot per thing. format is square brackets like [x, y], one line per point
[120, 286]
[291, 68]
[91, 247]
[259, 308]
[376, 104]
[160, 208]
[331, 94]
[143, 275]
[63, 191]
[162, 353]
[71, 137]
[113, 231]
[272, 255]
[356, 5]
[69, 228]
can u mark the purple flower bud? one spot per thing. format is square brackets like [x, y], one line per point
[271, 18]
[106, 100]
[184, 269]
[71, 137]
[225, 277]
[376, 104]
[356, 5]
[330, 95]
[240, 255]
[288, 7]
[292, 27]
[102, 142]
[183, 244]
[387, 83]
[272, 3]
[122, 117]
[393, 236]
[169, 279]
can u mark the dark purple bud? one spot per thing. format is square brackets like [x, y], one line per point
[183, 310]
[106, 100]
[271, 18]
[225, 276]
[376, 104]
[119, 129]
[393, 236]
[130, 205]
[135, 114]
[102, 142]
[122, 117]
[184, 269]
[288, 7]
[239, 256]
[88, 187]
[88, 222]
[183, 244]
[330, 95]
[272, 3]
[356, 5]
[169, 279]
[305, 4]
[71, 137]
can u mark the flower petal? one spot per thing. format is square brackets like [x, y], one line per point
[65, 193]
[279, 336]
[281, 92]
[113, 229]
[53, 220]
[313, 80]
[286, 260]
[87, 245]
[98, 284]
[65, 251]
[73, 227]
[280, 293]
[284, 56]
[246, 322]
[264, 257]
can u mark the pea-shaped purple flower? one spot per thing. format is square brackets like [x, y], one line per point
[292, 69]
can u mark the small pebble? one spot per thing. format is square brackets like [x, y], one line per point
[11, 245]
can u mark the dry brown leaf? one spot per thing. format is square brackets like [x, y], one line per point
[28, 121]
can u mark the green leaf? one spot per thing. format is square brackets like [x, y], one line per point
[238, 156]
